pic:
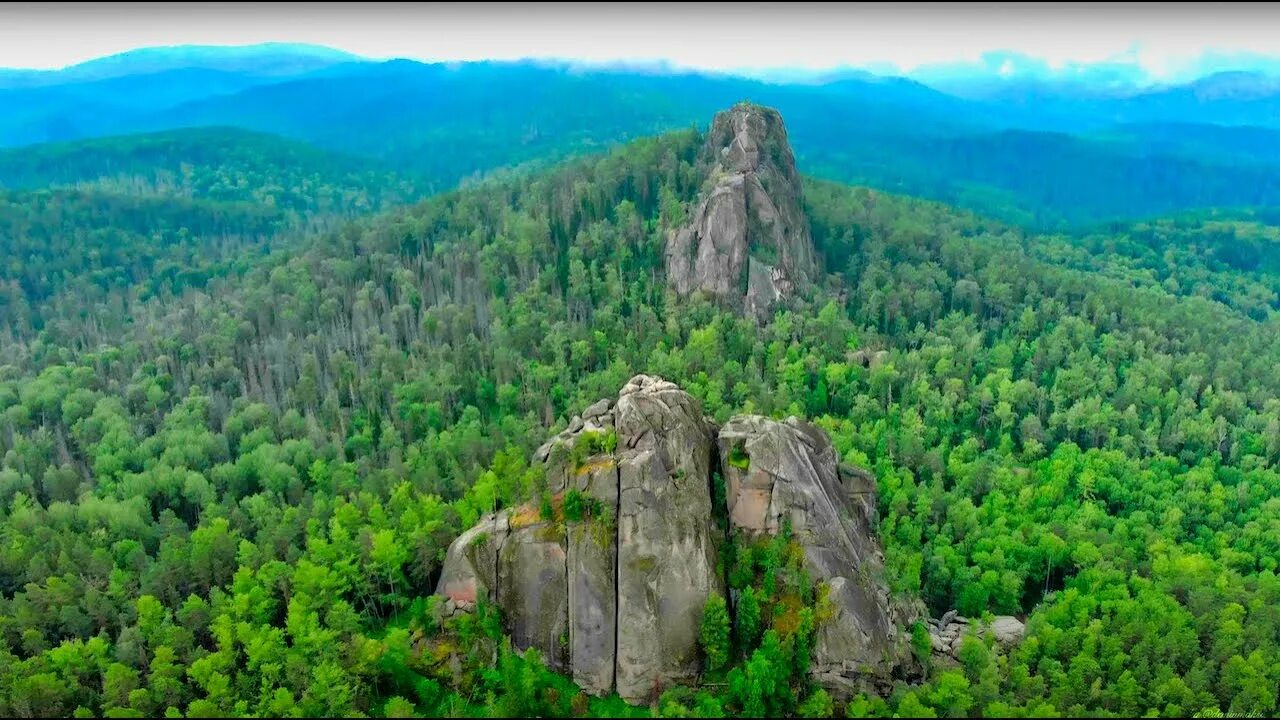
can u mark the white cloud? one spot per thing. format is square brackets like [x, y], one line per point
[688, 35]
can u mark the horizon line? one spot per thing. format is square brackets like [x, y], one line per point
[780, 73]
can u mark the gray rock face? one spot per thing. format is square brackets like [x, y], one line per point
[591, 571]
[592, 549]
[748, 242]
[615, 597]
[532, 592]
[613, 591]
[787, 472]
[667, 560]
[519, 562]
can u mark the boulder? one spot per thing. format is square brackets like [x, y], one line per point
[948, 633]
[470, 568]
[597, 409]
[1008, 630]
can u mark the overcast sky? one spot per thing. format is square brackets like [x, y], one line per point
[1163, 38]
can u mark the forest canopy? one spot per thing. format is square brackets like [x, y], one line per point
[246, 403]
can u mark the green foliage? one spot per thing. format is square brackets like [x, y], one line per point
[748, 621]
[776, 616]
[716, 634]
[574, 505]
[719, 499]
[592, 442]
[579, 506]
[921, 643]
[818, 705]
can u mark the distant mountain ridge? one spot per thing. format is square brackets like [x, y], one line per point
[1018, 149]
[277, 59]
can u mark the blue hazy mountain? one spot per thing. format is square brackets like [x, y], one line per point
[1223, 89]
[1225, 98]
[1231, 98]
[92, 108]
[120, 93]
[1008, 135]
[265, 59]
[1234, 144]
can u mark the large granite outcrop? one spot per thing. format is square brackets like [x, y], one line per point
[667, 561]
[518, 561]
[748, 242]
[612, 588]
[787, 472]
[628, 578]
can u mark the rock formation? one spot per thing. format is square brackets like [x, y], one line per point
[788, 472]
[518, 561]
[948, 632]
[869, 360]
[612, 589]
[748, 242]
[667, 561]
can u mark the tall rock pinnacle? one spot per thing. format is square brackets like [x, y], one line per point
[748, 243]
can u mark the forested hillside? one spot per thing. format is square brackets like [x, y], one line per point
[215, 163]
[231, 466]
[84, 225]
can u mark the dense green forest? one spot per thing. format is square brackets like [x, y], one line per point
[239, 427]
[211, 163]
[155, 214]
